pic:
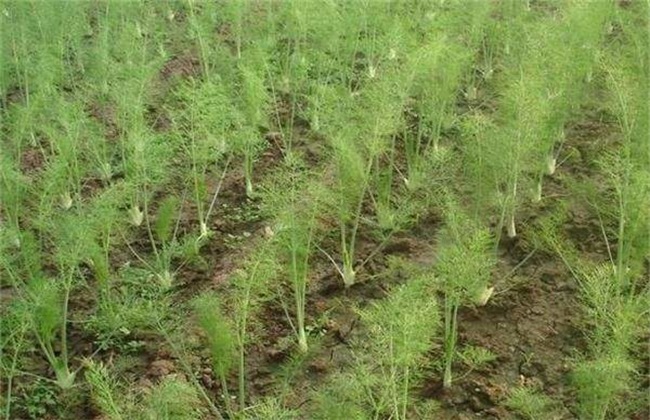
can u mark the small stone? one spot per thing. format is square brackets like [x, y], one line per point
[459, 400]
[537, 310]
[319, 366]
[145, 383]
[476, 404]
[160, 368]
[207, 381]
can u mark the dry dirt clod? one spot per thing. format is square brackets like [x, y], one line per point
[161, 368]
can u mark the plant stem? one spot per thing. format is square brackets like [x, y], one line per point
[242, 352]
[512, 228]
[226, 396]
[538, 188]
[451, 315]
[551, 163]
[202, 48]
[189, 372]
[299, 290]
[405, 392]
[64, 328]
[10, 375]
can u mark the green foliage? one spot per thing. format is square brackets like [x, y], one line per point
[386, 114]
[251, 288]
[218, 332]
[530, 403]
[204, 120]
[173, 398]
[464, 264]
[292, 199]
[131, 304]
[475, 357]
[464, 259]
[38, 399]
[397, 322]
[14, 342]
[46, 309]
[614, 317]
[403, 327]
[46, 303]
[614, 296]
[103, 389]
[601, 384]
[270, 408]
[166, 219]
[342, 397]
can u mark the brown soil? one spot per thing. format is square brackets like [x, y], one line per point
[532, 323]
[533, 326]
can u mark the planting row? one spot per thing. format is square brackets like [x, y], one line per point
[128, 129]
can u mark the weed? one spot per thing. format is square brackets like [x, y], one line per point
[103, 389]
[220, 337]
[464, 267]
[529, 402]
[173, 398]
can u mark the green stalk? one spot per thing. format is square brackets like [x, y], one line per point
[451, 317]
[299, 295]
[248, 171]
[60, 364]
[348, 248]
[14, 362]
[68, 378]
[147, 222]
[620, 261]
[511, 202]
[190, 373]
[226, 396]
[242, 326]
[202, 48]
[348, 269]
[405, 391]
[393, 374]
[241, 344]
[538, 188]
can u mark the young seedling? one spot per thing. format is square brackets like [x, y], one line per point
[292, 199]
[104, 389]
[529, 402]
[48, 318]
[403, 327]
[374, 116]
[14, 341]
[163, 240]
[253, 104]
[220, 337]
[205, 123]
[439, 67]
[251, 288]
[463, 268]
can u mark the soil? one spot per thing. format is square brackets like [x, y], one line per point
[533, 322]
